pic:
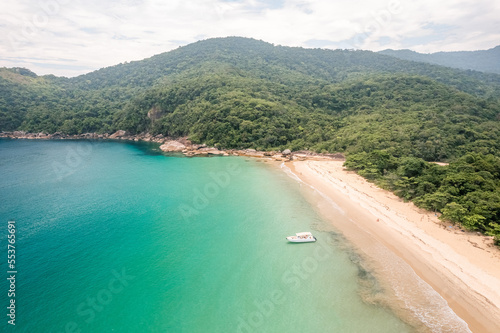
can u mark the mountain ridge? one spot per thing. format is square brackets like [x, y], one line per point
[480, 60]
[215, 49]
[98, 101]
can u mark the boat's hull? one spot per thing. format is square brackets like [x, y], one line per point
[294, 239]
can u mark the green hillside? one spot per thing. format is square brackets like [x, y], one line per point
[389, 116]
[484, 61]
[406, 115]
[309, 86]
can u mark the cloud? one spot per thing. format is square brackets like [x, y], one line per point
[96, 33]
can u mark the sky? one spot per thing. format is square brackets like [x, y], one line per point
[74, 37]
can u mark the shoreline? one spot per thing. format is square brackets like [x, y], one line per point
[463, 268]
[177, 145]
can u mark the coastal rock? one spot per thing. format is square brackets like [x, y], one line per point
[118, 134]
[300, 157]
[211, 151]
[251, 153]
[18, 134]
[159, 140]
[286, 152]
[172, 146]
[185, 141]
[255, 154]
[193, 151]
[278, 158]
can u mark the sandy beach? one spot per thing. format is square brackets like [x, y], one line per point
[425, 266]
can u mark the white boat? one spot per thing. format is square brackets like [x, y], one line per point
[301, 237]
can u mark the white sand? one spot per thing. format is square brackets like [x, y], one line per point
[464, 268]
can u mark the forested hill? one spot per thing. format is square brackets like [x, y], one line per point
[484, 61]
[239, 92]
[387, 115]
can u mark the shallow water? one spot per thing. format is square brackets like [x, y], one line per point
[116, 237]
[388, 280]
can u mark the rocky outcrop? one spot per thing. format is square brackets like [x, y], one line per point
[118, 134]
[155, 113]
[189, 149]
[250, 153]
[195, 150]
[172, 146]
[18, 134]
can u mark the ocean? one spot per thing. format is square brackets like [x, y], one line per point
[118, 237]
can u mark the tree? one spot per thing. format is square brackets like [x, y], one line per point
[454, 212]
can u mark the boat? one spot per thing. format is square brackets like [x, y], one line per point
[301, 237]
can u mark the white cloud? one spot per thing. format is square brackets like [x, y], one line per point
[66, 37]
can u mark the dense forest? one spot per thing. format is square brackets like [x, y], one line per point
[391, 117]
[484, 61]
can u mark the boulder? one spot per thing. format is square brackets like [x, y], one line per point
[18, 133]
[286, 152]
[210, 151]
[254, 154]
[278, 158]
[118, 134]
[172, 146]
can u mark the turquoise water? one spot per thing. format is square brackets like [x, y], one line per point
[116, 237]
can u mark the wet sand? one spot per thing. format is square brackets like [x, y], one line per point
[406, 246]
